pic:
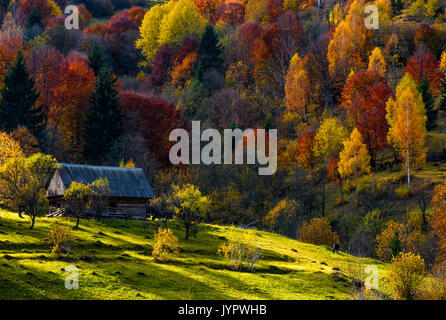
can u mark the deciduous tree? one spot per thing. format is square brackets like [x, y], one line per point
[354, 160]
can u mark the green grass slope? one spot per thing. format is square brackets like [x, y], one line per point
[115, 262]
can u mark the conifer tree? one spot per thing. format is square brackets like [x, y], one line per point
[96, 58]
[431, 111]
[19, 96]
[397, 7]
[103, 123]
[209, 52]
[442, 96]
[34, 26]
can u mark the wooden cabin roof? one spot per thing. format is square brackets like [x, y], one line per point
[123, 182]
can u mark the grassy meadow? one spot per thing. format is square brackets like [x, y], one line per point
[115, 262]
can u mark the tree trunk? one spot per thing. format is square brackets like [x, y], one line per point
[323, 199]
[187, 225]
[33, 219]
[77, 223]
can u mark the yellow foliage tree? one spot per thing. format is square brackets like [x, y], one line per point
[394, 231]
[318, 232]
[329, 139]
[442, 65]
[182, 21]
[406, 116]
[9, 148]
[297, 87]
[354, 159]
[349, 44]
[340, 49]
[406, 272]
[150, 29]
[377, 62]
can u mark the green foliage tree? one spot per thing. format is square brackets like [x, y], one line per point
[442, 95]
[34, 26]
[189, 205]
[23, 183]
[396, 246]
[101, 192]
[96, 58]
[209, 52]
[397, 7]
[34, 17]
[19, 96]
[77, 199]
[431, 111]
[103, 121]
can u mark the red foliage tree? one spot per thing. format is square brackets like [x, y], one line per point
[356, 89]
[99, 29]
[120, 24]
[229, 109]
[158, 118]
[60, 20]
[247, 35]
[207, 8]
[274, 10]
[372, 122]
[161, 64]
[43, 6]
[232, 13]
[423, 65]
[189, 45]
[305, 157]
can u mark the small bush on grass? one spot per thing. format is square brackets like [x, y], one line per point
[318, 232]
[166, 245]
[61, 240]
[406, 272]
[433, 287]
[242, 256]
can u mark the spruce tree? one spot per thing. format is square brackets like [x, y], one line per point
[103, 121]
[19, 96]
[96, 58]
[431, 111]
[395, 245]
[34, 26]
[397, 7]
[209, 52]
[442, 96]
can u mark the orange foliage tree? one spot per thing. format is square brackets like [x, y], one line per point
[438, 221]
[423, 65]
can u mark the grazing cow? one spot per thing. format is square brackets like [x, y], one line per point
[336, 248]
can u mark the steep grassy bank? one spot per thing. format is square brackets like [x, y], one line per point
[115, 262]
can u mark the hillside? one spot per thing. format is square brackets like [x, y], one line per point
[115, 262]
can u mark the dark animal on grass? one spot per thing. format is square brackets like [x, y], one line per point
[336, 248]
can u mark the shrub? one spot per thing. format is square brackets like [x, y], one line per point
[61, 240]
[318, 232]
[283, 218]
[166, 245]
[242, 257]
[403, 192]
[434, 286]
[388, 241]
[406, 272]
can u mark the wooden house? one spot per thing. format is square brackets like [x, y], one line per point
[130, 190]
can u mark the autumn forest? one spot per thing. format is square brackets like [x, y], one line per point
[356, 91]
